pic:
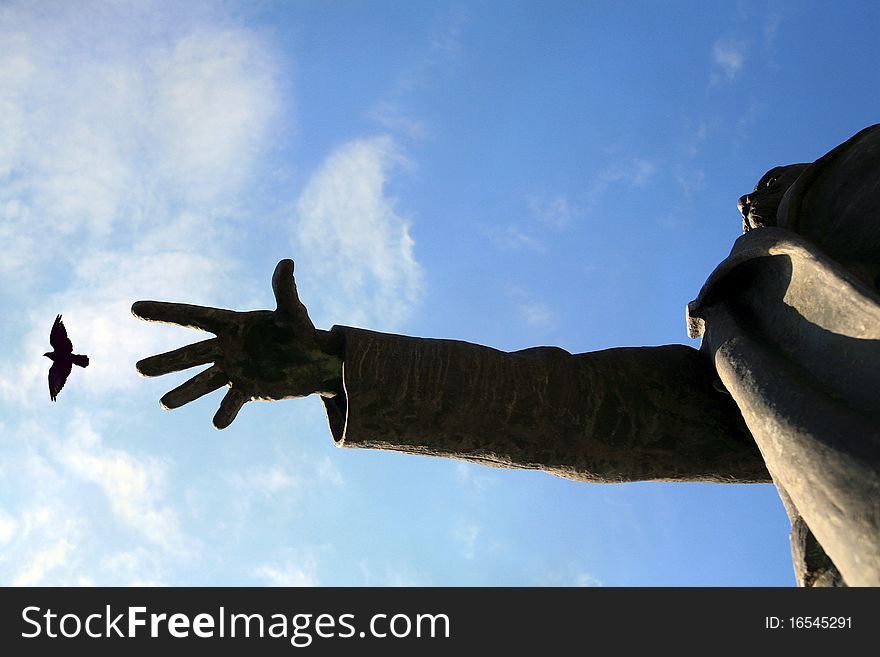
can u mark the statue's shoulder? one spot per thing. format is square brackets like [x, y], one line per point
[835, 203]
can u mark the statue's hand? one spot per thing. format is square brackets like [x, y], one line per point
[262, 354]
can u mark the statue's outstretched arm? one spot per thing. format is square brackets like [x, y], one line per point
[647, 413]
[627, 414]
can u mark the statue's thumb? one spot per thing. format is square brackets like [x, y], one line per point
[284, 286]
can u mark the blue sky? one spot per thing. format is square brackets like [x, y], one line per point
[508, 173]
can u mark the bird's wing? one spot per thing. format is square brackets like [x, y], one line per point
[58, 374]
[58, 338]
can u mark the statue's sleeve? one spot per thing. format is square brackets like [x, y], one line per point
[628, 414]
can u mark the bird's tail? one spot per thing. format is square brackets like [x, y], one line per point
[79, 359]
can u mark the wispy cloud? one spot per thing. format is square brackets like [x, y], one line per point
[290, 572]
[444, 47]
[100, 200]
[135, 568]
[396, 575]
[86, 512]
[267, 480]
[42, 562]
[514, 238]
[467, 535]
[133, 486]
[446, 36]
[8, 526]
[634, 172]
[327, 472]
[115, 160]
[557, 212]
[586, 579]
[474, 477]
[534, 312]
[285, 478]
[45, 529]
[441, 47]
[770, 30]
[351, 241]
[569, 574]
[87, 163]
[690, 182]
[391, 117]
[728, 57]
[548, 215]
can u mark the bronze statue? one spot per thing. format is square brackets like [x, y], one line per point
[784, 387]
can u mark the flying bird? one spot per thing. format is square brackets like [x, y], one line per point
[63, 358]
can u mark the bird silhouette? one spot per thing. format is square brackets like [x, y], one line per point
[63, 358]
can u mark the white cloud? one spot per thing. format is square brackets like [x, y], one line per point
[391, 117]
[133, 486]
[135, 568]
[467, 536]
[77, 501]
[328, 473]
[44, 548]
[289, 573]
[568, 574]
[114, 160]
[396, 575]
[267, 480]
[514, 238]
[42, 563]
[444, 49]
[214, 96]
[635, 172]
[279, 484]
[128, 130]
[105, 144]
[729, 56]
[533, 312]
[690, 181]
[8, 527]
[642, 172]
[474, 477]
[43, 526]
[536, 314]
[556, 212]
[446, 37]
[586, 579]
[623, 172]
[353, 248]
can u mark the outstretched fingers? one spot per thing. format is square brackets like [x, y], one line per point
[191, 355]
[184, 314]
[201, 384]
[229, 408]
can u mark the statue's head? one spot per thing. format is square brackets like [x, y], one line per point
[759, 208]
